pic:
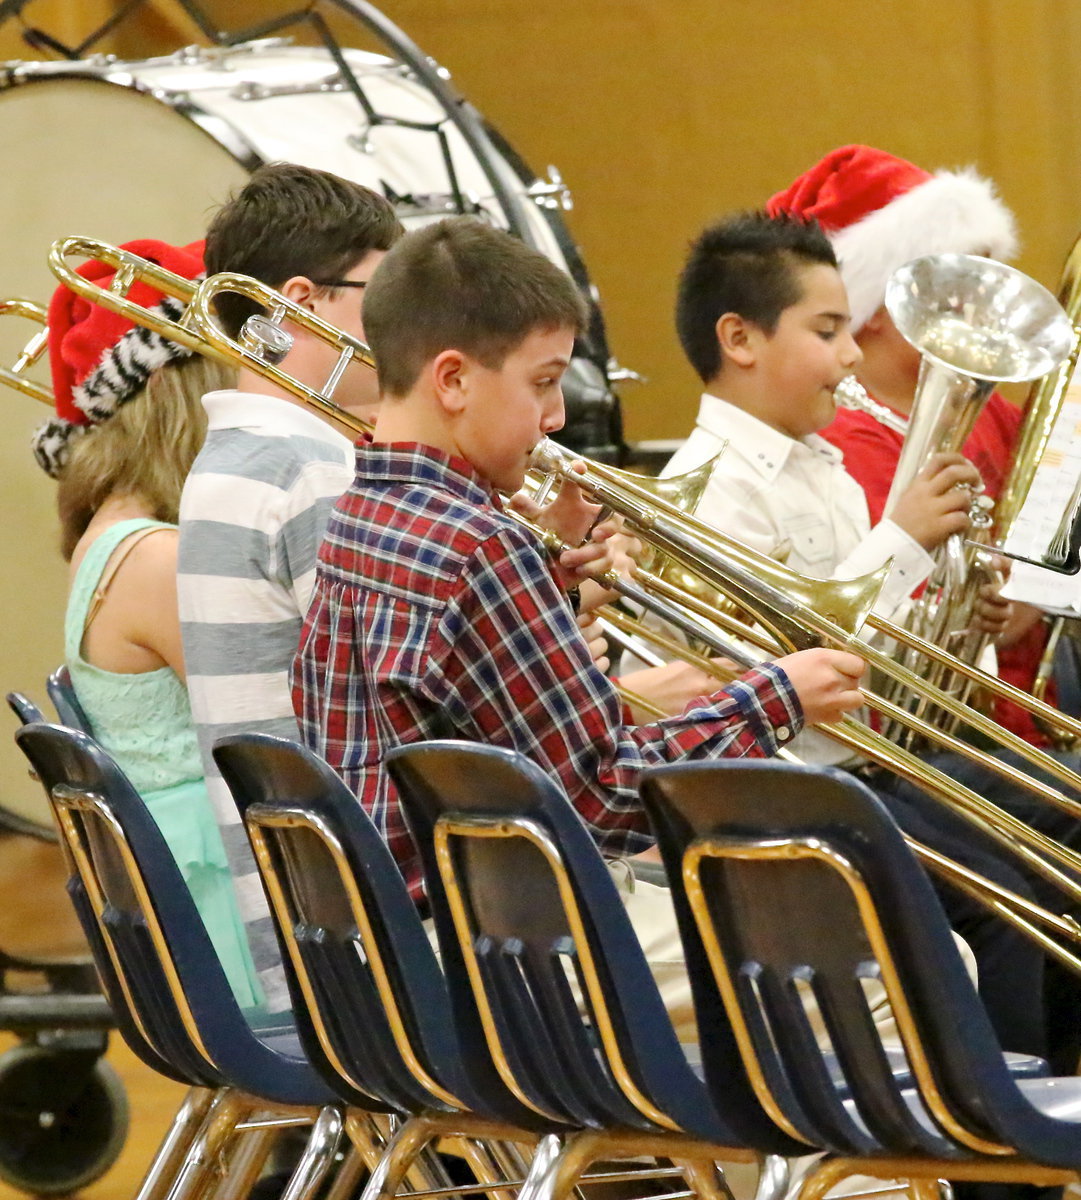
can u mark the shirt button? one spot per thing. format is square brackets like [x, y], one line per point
[783, 733]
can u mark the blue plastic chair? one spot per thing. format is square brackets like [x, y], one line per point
[161, 974]
[373, 1007]
[788, 881]
[523, 903]
[61, 692]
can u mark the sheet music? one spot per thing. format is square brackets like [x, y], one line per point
[1038, 521]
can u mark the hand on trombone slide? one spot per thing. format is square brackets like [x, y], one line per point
[826, 681]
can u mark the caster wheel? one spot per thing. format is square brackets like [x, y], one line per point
[63, 1119]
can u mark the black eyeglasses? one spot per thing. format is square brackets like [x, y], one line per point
[357, 283]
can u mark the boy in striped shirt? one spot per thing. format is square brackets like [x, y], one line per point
[255, 506]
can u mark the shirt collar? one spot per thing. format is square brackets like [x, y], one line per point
[764, 448]
[415, 463]
[230, 409]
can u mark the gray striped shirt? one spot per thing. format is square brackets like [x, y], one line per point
[252, 516]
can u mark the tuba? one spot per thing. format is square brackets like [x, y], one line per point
[977, 323]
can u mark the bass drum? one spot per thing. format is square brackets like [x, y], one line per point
[122, 150]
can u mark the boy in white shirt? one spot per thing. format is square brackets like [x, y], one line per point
[763, 318]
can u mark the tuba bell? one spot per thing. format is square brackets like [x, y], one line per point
[976, 323]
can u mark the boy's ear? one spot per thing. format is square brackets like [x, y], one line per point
[876, 322]
[736, 337]
[300, 290]
[449, 373]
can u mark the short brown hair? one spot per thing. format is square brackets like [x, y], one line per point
[144, 450]
[461, 284]
[291, 220]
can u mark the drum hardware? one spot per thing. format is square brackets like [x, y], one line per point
[434, 205]
[618, 373]
[551, 193]
[250, 90]
[361, 140]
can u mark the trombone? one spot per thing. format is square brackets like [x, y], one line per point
[16, 375]
[799, 612]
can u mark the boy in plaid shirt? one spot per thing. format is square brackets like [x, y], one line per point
[436, 614]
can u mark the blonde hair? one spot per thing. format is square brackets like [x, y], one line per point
[144, 450]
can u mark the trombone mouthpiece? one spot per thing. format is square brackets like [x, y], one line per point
[547, 455]
[265, 339]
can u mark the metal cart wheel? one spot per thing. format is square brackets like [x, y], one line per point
[63, 1117]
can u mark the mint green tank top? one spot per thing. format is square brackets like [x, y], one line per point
[143, 721]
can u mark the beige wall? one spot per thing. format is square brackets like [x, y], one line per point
[662, 114]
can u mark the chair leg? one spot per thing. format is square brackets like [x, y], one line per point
[706, 1180]
[245, 1163]
[318, 1155]
[346, 1183]
[558, 1163]
[176, 1144]
[219, 1128]
[490, 1164]
[403, 1148]
[774, 1177]
[822, 1178]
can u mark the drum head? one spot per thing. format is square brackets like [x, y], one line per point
[153, 175]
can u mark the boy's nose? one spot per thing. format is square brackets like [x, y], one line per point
[555, 417]
[852, 355]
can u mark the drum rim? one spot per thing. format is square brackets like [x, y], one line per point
[220, 131]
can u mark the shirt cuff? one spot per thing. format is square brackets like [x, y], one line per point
[770, 705]
[911, 564]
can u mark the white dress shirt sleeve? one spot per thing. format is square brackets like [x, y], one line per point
[911, 566]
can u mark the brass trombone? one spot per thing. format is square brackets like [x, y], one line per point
[15, 376]
[798, 612]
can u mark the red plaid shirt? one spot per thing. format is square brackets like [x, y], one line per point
[436, 615]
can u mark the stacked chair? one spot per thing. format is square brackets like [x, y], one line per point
[169, 994]
[529, 920]
[788, 879]
[375, 1010]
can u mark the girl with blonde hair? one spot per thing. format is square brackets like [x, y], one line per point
[129, 424]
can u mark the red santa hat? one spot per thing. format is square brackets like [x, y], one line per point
[880, 212]
[99, 359]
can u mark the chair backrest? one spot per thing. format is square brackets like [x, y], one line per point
[156, 959]
[527, 914]
[62, 693]
[371, 1002]
[24, 708]
[795, 890]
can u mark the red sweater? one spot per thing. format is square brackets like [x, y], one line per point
[871, 452]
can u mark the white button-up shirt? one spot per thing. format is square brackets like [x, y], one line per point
[770, 490]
